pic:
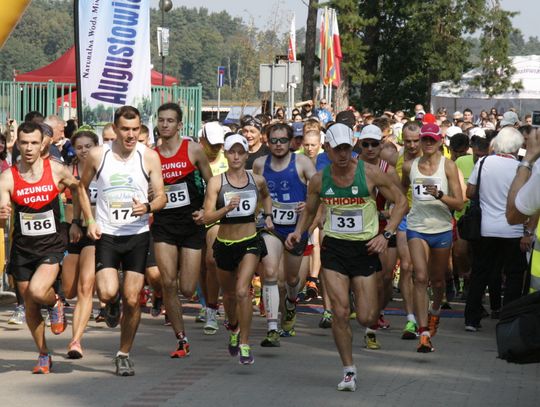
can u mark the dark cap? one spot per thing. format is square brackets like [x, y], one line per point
[347, 118]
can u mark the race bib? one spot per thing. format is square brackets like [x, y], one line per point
[37, 224]
[247, 205]
[284, 213]
[419, 188]
[177, 195]
[121, 213]
[346, 220]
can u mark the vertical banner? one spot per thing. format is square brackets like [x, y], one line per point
[113, 58]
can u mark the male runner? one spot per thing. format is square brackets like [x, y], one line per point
[33, 186]
[286, 175]
[411, 150]
[178, 229]
[123, 170]
[350, 249]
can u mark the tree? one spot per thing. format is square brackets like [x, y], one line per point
[496, 66]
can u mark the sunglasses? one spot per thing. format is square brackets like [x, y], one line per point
[373, 144]
[281, 140]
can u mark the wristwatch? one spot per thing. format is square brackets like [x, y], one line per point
[440, 194]
[387, 234]
[77, 222]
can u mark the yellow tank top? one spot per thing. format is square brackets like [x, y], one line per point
[399, 170]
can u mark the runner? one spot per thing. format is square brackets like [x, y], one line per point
[436, 191]
[124, 170]
[32, 186]
[152, 274]
[178, 229]
[371, 142]
[251, 130]
[233, 197]
[411, 150]
[212, 139]
[286, 175]
[79, 266]
[350, 249]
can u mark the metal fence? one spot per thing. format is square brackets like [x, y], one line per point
[19, 98]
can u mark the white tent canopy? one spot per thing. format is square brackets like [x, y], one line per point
[463, 95]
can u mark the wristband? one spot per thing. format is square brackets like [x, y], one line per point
[76, 222]
[90, 221]
[525, 164]
[266, 215]
[148, 207]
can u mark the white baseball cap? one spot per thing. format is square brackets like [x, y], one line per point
[452, 131]
[213, 132]
[338, 134]
[371, 131]
[235, 139]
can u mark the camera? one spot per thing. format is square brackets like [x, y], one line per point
[536, 118]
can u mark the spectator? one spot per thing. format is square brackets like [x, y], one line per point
[499, 247]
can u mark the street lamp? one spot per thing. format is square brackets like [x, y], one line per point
[165, 6]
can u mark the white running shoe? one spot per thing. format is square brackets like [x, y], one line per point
[18, 317]
[348, 383]
[211, 325]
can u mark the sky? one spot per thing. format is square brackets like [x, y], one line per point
[263, 13]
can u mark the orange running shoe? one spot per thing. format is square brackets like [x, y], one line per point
[44, 364]
[433, 324]
[182, 350]
[58, 317]
[425, 345]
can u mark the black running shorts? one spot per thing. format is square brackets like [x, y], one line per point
[348, 257]
[228, 255]
[126, 252]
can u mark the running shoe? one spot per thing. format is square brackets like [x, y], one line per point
[290, 316]
[201, 317]
[211, 326]
[75, 350]
[383, 323]
[18, 317]
[348, 383]
[271, 340]
[425, 346]
[100, 317]
[44, 364]
[410, 331]
[112, 313]
[58, 317]
[182, 350]
[326, 320]
[471, 328]
[312, 291]
[47, 319]
[157, 303]
[124, 366]
[246, 357]
[234, 340]
[433, 324]
[371, 342]
[167, 321]
[352, 315]
[287, 334]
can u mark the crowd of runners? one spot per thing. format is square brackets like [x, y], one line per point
[340, 206]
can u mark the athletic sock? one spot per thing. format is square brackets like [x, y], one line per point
[270, 294]
[349, 369]
[411, 318]
[433, 312]
[122, 354]
[371, 330]
[292, 292]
